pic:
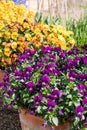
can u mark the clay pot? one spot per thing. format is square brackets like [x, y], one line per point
[31, 122]
[1, 79]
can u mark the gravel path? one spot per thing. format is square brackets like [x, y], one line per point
[9, 119]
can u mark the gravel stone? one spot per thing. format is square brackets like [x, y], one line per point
[9, 119]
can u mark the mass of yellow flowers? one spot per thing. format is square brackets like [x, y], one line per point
[18, 31]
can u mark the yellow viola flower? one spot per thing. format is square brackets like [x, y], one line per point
[14, 35]
[54, 30]
[61, 38]
[21, 38]
[21, 49]
[8, 61]
[7, 45]
[38, 44]
[37, 31]
[14, 45]
[70, 32]
[28, 36]
[6, 34]
[25, 25]
[1, 34]
[57, 44]
[7, 52]
[1, 26]
[30, 14]
[60, 28]
[39, 37]
[71, 42]
[62, 45]
[33, 39]
[21, 28]
[20, 20]
[3, 60]
[67, 33]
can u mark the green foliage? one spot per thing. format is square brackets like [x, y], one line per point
[80, 30]
[39, 17]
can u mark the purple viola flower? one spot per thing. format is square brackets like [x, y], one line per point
[84, 47]
[47, 49]
[18, 73]
[9, 92]
[17, 98]
[81, 87]
[84, 101]
[45, 79]
[85, 122]
[24, 56]
[72, 75]
[50, 65]
[46, 71]
[27, 76]
[51, 103]
[70, 61]
[32, 111]
[38, 99]
[85, 60]
[81, 76]
[58, 49]
[30, 86]
[51, 96]
[61, 112]
[53, 58]
[74, 51]
[13, 68]
[85, 92]
[39, 65]
[77, 59]
[28, 68]
[63, 55]
[45, 59]
[55, 72]
[79, 111]
[1, 84]
[57, 93]
[6, 78]
[44, 125]
[11, 105]
[15, 89]
[64, 67]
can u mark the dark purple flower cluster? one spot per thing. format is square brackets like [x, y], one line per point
[50, 81]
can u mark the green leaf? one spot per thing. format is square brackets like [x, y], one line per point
[39, 109]
[47, 20]
[85, 83]
[69, 96]
[84, 128]
[55, 120]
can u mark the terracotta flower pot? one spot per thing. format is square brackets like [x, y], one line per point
[30, 122]
[1, 79]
